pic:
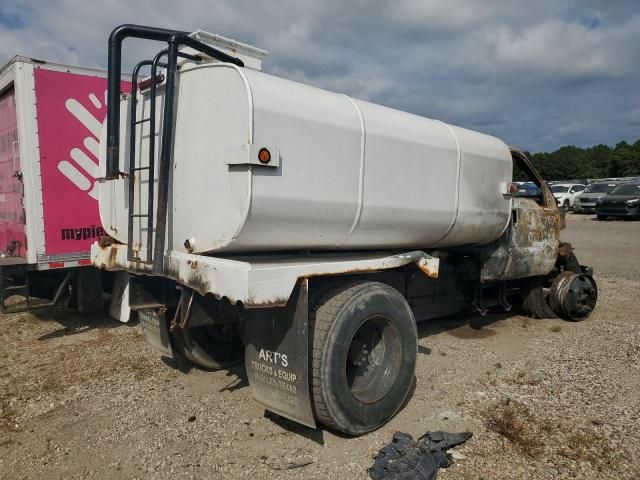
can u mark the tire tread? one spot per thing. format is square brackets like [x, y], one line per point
[321, 318]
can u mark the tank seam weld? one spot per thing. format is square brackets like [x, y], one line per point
[363, 134]
[250, 141]
[459, 169]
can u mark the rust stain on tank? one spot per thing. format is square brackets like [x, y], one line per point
[112, 256]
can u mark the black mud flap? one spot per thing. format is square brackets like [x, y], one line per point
[155, 329]
[277, 355]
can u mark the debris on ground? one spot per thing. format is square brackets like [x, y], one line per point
[298, 457]
[406, 459]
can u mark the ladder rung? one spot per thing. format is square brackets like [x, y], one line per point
[143, 120]
[145, 215]
[137, 169]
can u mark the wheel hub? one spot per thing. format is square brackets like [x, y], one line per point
[573, 296]
[373, 360]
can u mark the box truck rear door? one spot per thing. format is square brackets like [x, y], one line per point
[12, 235]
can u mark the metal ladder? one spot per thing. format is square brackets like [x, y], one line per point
[135, 169]
[156, 232]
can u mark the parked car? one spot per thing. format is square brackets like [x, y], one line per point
[586, 201]
[623, 201]
[565, 193]
[527, 189]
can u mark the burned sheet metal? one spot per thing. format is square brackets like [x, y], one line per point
[529, 247]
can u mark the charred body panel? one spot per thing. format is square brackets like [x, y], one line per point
[529, 247]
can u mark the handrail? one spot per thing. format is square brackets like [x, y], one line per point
[174, 39]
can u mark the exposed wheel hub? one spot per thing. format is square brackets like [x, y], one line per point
[573, 296]
[372, 363]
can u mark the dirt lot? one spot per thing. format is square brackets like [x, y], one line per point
[82, 396]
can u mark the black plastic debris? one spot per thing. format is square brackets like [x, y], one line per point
[406, 459]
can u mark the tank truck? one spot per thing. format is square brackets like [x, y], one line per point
[307, 232]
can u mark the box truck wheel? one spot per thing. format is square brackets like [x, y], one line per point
[363, 357]
[210, 347]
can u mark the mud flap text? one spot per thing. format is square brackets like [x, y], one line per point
[276, 357]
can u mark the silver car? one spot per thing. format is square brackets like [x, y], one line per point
[586, 201]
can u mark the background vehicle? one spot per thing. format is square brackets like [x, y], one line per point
[528, 189]
[50, 122]
[331, 226]
[623, 201]
[586, 201]
[565, 193]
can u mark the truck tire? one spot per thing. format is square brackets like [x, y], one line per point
[535, 301]
[363, 356]
[210, 347]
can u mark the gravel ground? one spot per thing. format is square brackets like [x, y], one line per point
[82, 396]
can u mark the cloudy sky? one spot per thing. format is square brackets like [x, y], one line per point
[537, 74]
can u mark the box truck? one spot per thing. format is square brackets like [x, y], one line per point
[51, 117]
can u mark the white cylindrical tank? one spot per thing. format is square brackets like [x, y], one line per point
[344, 173]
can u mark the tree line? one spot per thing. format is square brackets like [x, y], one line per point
[599, 161]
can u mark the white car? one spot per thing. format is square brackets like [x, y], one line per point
[566, 193]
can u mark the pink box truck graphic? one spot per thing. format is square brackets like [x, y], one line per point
[51, 117]
[71, 108]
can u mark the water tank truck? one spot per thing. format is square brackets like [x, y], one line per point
[307, 231]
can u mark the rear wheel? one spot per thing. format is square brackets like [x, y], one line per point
[601, 217]
[363, 356]
[210, 347]
[535, 298]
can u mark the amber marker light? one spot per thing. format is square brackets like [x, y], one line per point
[264, 155]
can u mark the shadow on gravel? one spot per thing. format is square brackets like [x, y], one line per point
[73, 322]
[239, 382]
[178, 363]
[237, 372]
[315, 435]
[463, 326]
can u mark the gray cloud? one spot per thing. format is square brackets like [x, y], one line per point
[537, 74]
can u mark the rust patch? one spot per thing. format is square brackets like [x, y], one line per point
[112, 256]
[564, 248]
[423, 265]
[105, 240]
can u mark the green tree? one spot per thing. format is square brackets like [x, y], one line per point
[599, 161]
[625, 161]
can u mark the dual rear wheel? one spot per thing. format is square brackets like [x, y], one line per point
[210, 347]
[363, 344]
[363, 357]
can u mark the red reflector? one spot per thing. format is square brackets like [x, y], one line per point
[84, 262]
[513, 187]
[56, 265]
